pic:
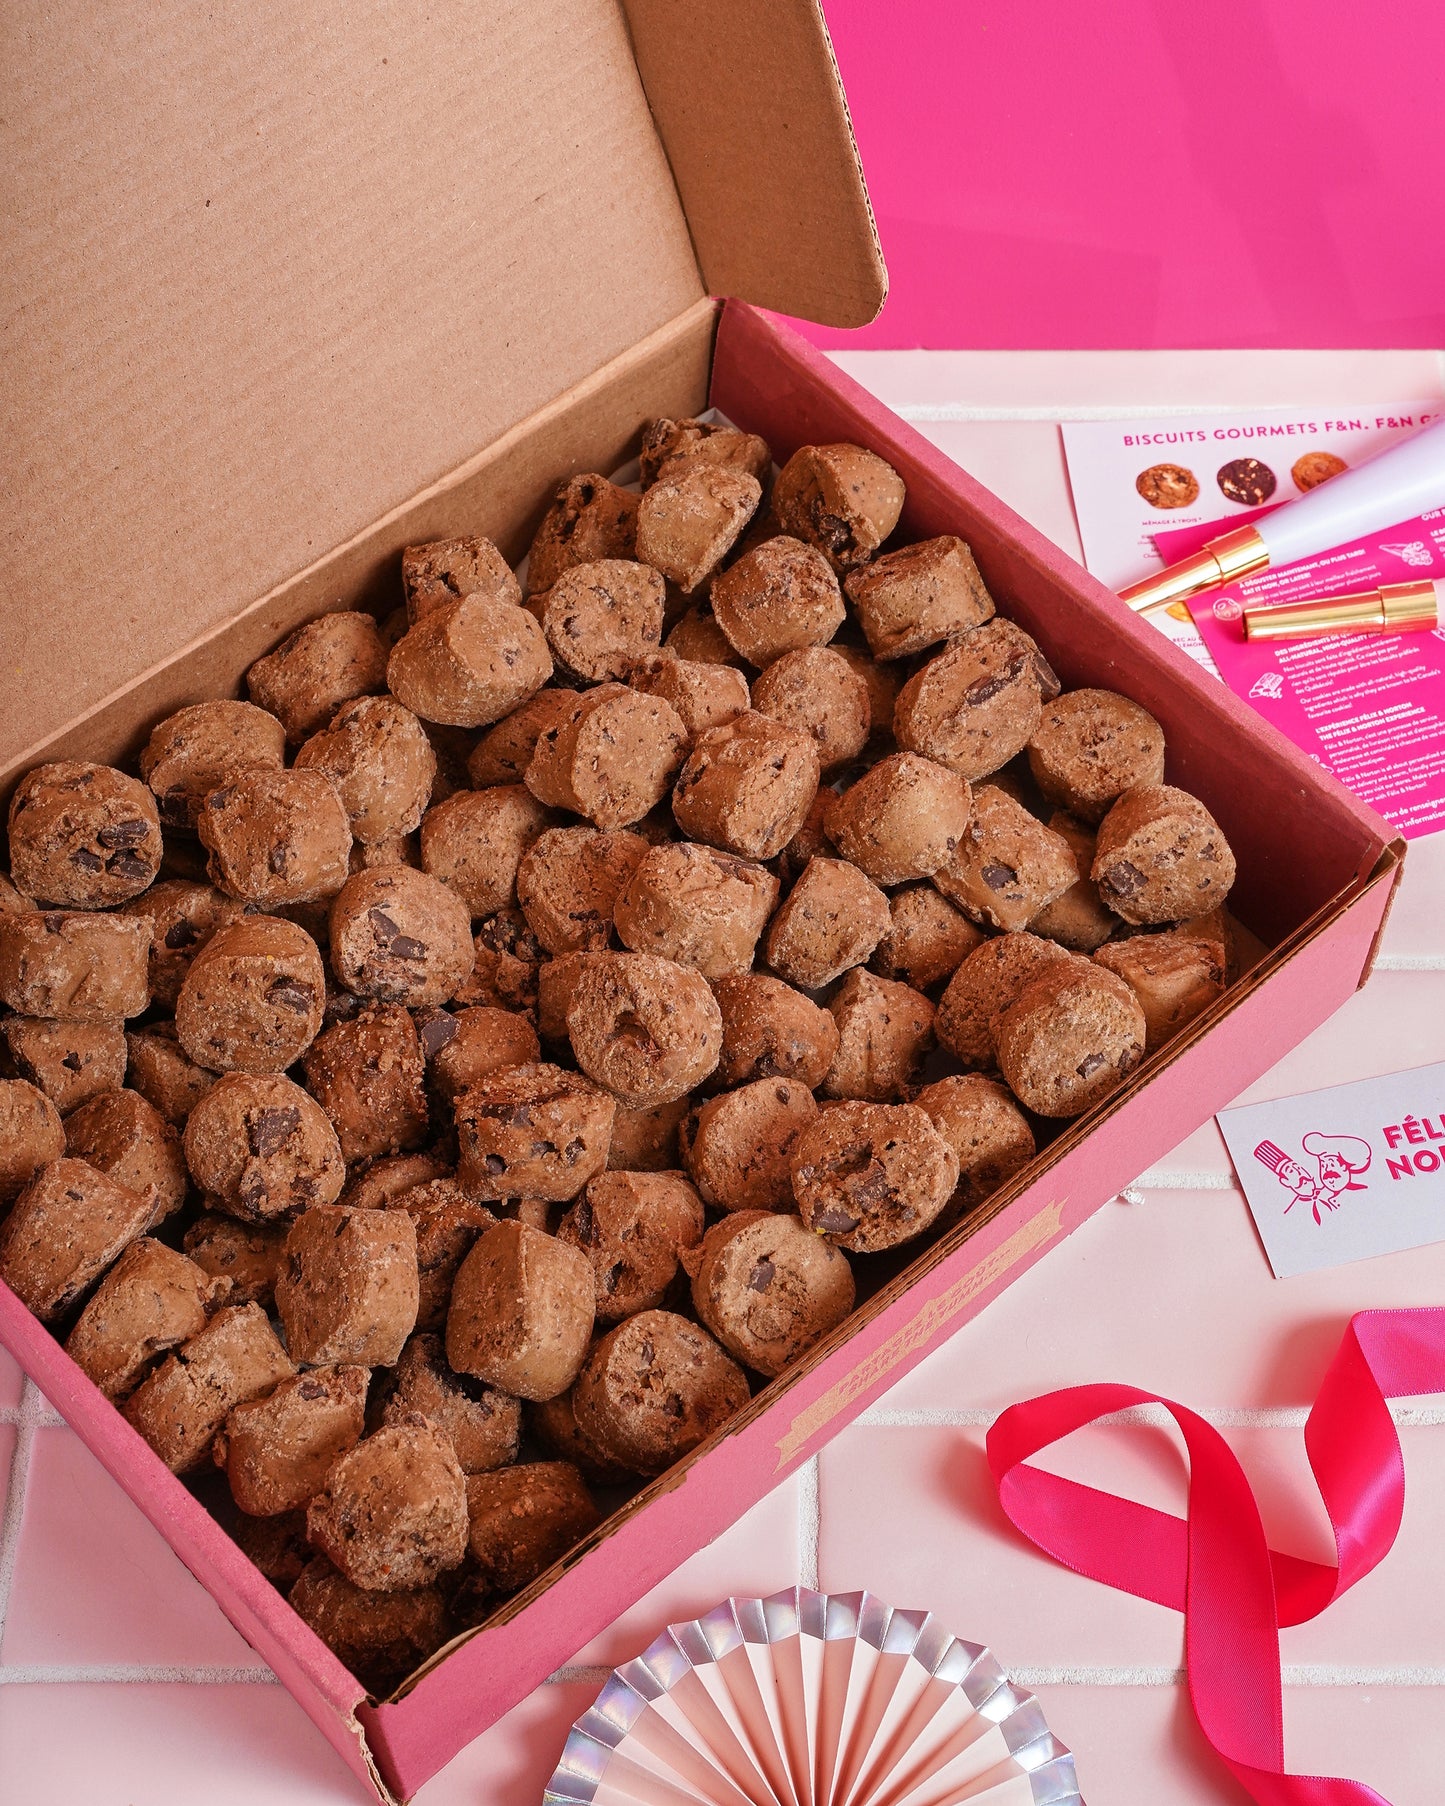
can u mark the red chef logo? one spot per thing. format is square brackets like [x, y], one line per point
[1338, 1161]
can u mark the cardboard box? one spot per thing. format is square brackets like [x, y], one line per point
[301, 422]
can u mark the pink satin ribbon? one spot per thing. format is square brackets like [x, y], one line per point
[1216, 1567]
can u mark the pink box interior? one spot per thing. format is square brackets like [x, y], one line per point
[1316, 875]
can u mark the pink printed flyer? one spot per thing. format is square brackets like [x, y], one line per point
[1370, 707]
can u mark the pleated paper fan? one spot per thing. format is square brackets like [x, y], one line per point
[812, 1699]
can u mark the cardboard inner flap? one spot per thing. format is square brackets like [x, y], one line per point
[274, 269]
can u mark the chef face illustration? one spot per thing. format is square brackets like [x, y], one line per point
[1338, 1159]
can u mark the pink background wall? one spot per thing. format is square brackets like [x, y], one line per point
[1146, 173]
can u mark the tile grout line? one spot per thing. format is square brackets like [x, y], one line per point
[810, 1524]
[1224, 1417]
[29, 1416]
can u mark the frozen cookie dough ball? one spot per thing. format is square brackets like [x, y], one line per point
[443, 569]
[476, 840]
[904, 818]
[771, 1031]
[448, 1222]
[666, 444]
[469, 662]
[504, 752]
[31, 1135]
[648, 1030]
[589, 518]
[483, 1425]
[634, 1228]
[832, 920]
[1175, 975]
[978, 703]
[532, 1132]
[521, 1312]
[1074, 1035]
[885, 1033]
[816, 690]
[872, 1176]
[1161, 857]
[260, 1147]
[989, 981]
[276, 837]
[522, 1519]
[327, 662]
[612, 759]
[780, 597]
[599, 617]
[369, 1077]
[74, 965]
[697, 906]
[201, 748]
[703, 695]
[152, 1300]
[466, 1048]
[927, 939]
[181, 1405]
[911, 599]
[163, 1073]
[987, 1131]
[840, 498]
[378, 756]
[347, 1285]
[253, 997]
[769, 1288]
[1077, 918]
[568, 883]
[401, 936]
[277, 1451]
[747, 787]
[741, 1142]
[689, 519]
[1090, 746]
[82, 836]
[72, 1063]
[243, 1257]
[65, 1228]
[182, 917]
[392, 1514]
[121, 1134]
[380, 1637]
[1008, 866]
[654, 1388]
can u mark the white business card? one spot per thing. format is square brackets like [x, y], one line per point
[1346, 1173]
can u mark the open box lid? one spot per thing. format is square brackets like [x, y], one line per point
[275, 268]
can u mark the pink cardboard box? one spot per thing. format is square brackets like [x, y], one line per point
[1317, 869]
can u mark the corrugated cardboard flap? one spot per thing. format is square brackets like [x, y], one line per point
[273, 269]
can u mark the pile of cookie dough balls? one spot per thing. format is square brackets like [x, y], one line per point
[442, 1088]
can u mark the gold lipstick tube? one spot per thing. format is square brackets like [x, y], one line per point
[1222, 560]
[1393, 608]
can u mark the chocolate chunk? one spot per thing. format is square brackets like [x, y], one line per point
[1089, 1064]
[405, 946]
[1123, 879]
[291, 994]
[762, 1276]
[276, 860]
[181, 934]
[128, 865]
[271, 1129]
[999, 877]
[123, 833]
[86, 860]
[834, 1220]
[435, 1030]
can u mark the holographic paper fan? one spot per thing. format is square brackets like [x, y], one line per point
[812, 1699]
